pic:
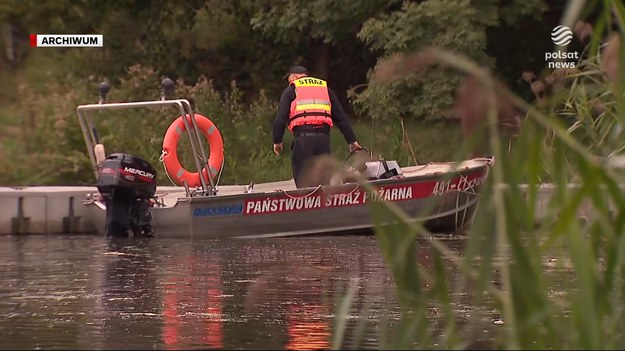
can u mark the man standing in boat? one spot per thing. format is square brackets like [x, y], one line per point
[309, 109]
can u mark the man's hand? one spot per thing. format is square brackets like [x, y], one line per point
[277, 148]
[354, 146]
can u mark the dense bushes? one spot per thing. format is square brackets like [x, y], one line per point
[47, 146]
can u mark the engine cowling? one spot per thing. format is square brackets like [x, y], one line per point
[127, 183]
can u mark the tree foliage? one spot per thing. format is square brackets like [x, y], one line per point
[335, 22]
[253, 42]
[250, 44]
[460, 26]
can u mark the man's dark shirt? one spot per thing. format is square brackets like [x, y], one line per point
[339, 118]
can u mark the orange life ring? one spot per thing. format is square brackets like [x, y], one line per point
[170, 153]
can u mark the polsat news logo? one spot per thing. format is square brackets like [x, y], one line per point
[67, 40]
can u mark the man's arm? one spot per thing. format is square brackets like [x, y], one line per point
[282, 116]
[340, 119]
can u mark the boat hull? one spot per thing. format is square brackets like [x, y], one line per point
[442, 202]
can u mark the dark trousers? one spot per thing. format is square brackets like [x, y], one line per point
[305, 148]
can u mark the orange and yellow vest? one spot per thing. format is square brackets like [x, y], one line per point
[312, 103]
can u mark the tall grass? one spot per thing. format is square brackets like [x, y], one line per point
[553, 199]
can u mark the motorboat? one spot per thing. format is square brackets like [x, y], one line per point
[442, 195]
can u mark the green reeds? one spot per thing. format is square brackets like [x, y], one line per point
[546, 252]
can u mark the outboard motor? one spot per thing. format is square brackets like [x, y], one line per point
[127, 184]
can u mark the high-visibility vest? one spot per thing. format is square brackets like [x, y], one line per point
[312, 103]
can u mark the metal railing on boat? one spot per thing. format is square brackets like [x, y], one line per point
[184, 107]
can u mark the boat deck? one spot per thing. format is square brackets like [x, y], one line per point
[170, 195]
[434, 168]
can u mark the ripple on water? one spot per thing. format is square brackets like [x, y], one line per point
[85, 292]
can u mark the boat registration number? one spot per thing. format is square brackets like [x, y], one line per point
[458, 184]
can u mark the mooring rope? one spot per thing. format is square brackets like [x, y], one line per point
[299, 197]
[160, 159]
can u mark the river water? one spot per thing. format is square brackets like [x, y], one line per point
[90, 292]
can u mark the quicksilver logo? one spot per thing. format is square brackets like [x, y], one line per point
[561, 35]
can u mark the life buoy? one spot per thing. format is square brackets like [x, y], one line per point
[170, 155]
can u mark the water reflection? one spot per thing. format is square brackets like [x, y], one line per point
[308, 328]
[130, 299]
[189, 296]
[84, 292]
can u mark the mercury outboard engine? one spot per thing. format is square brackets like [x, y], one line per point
[127, 184]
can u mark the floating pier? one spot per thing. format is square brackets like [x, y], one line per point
[44, 210]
